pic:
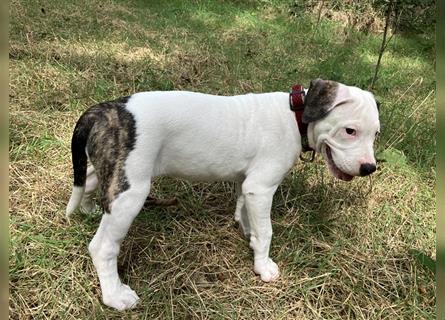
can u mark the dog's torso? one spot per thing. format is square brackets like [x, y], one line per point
[206, 137]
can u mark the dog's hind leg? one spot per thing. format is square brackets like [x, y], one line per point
[88, 205]
[241, 211]
[105, 246]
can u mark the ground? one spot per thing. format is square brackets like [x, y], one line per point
[354, 250]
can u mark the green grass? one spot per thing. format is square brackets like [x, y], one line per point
[346, 250]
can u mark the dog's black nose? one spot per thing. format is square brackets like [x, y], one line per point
[367, 169]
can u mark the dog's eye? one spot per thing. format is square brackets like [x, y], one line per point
[350, 131]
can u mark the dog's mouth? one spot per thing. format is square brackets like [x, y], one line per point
[333, 168]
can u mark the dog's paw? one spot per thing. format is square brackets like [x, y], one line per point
[121, 299]
[266, 269]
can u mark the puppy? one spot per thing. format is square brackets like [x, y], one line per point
[252, 139]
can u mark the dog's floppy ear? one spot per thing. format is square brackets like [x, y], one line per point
[322, 97]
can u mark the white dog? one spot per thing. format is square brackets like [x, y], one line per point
[252, 139]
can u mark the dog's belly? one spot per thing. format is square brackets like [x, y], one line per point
[207, 174]
[207, 153]
[199, 164]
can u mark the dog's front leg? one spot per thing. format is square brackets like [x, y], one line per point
[258, 202]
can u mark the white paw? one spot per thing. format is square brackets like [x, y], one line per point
[267, 269]
[122, 299]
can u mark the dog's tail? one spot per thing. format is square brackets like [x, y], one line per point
[80, 159]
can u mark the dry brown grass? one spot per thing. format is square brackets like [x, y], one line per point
[343, 249]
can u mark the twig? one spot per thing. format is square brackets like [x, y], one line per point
[384, 42]
[319, 12]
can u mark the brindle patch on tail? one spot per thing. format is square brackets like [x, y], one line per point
[111, 139]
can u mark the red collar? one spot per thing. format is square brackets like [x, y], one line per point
[296, 101]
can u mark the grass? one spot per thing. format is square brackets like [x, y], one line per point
[344, 249]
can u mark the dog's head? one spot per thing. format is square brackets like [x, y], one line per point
[343, 123]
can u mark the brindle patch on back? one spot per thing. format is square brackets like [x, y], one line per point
[111, 139]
